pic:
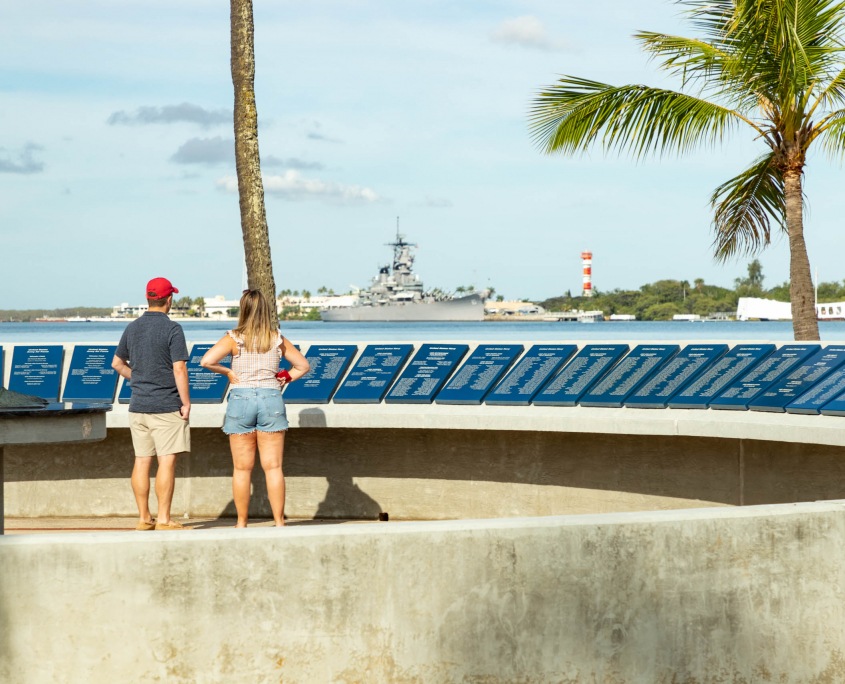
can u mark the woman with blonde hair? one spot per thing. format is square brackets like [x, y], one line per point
[255, 413]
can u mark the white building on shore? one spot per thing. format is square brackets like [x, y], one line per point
[755, 308]
[216, 307]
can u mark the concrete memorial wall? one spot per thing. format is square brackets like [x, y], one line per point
[481, 430]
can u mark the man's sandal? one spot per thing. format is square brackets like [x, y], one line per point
[146, 525]
[172, 525]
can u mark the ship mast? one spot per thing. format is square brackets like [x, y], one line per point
[403, 259]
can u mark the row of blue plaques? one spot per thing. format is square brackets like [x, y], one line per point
[795, 378]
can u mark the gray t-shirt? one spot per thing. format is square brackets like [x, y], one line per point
[150, 345]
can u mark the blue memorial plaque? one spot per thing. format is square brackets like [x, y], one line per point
[483, 369]
[589, 365]
[836, 405]
[124, 396]
[699, 392]
[328, 364]
[373, 374]
[529, 375]
[205, 386]
[801, 378]
[777, 364]
[643, 361]
[426, 373]
[284, 364]
[90, 376]
[821, 394]
[37, 371]
[681, 369]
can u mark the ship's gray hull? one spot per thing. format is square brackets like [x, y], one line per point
[469, 308]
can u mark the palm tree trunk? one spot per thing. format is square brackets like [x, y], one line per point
[256, 236]
[805, 325]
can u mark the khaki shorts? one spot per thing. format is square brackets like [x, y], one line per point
[159, 434]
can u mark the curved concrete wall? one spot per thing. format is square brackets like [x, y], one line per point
[450, 462]
[432, 474]
[705, 596]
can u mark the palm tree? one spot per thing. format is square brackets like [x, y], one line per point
[774, 67]
[256, 235]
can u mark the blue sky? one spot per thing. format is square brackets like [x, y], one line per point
[116, 161]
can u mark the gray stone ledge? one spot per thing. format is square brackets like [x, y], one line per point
[774, 427]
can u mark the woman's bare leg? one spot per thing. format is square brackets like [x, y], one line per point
[243, 460]
[271, 446]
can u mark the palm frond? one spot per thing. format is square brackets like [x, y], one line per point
[832, 94]
[689, 58]
[831, 134]
[712, 17]
[575, 113]
[745, 208]
[791, 44]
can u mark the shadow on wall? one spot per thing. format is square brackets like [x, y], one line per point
[709, 469]
[344, 495]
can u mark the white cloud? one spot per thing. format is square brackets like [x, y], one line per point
[168, 114]
[22, 161]
[526, 31]
[205, 151]
[291, 185]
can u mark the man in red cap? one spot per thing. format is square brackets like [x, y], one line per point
[153, 355]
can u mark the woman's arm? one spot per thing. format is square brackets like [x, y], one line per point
[212, 358]
[299, 365]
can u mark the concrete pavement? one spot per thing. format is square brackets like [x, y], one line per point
[124, 524]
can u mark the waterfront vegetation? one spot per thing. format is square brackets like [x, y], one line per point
[657, 301]
[663, 299]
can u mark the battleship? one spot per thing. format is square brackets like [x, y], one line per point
[397, 294]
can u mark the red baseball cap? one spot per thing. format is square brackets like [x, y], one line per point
[159, 288]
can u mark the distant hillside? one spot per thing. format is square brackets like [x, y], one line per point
[27, 315]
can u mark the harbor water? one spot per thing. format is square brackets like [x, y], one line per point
[484, 331]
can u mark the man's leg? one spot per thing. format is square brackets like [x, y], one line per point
[141, 486]
[165, 484]
[243, 460]
[271, 447]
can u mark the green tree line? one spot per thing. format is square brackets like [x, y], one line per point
[663, 299]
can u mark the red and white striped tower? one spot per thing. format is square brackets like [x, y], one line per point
[587, 262]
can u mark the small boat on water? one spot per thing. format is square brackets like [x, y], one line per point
[397, 294]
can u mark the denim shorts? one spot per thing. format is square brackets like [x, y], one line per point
[250, 409]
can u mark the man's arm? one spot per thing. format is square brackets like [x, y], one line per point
[121, 367]
[180, 373]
